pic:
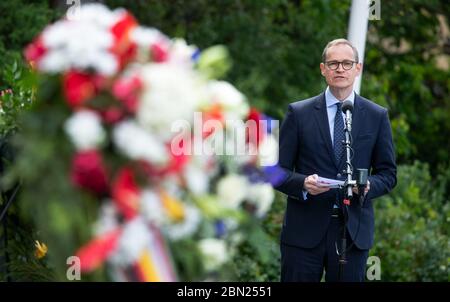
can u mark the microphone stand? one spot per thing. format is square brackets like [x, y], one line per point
[348, 185]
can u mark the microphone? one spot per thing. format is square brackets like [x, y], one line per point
[347, 108]
[361, 177]
[347, 105]
[361, 182]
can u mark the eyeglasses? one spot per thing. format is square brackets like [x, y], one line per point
[334, 65]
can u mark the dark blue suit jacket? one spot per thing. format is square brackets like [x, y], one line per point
[305, 149]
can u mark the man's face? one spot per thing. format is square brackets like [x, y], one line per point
[340, 78]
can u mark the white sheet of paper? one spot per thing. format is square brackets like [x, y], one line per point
[331, 183]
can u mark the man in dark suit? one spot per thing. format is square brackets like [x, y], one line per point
[310, 144]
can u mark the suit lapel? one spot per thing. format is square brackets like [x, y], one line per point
[357, 117]
[321, 117]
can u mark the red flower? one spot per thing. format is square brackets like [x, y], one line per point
[36, 50]
[80, 87]
[112, 114]
[123, 48]
[175, 165]
[127, 90]
[95, 252]
[255, 134]
[88, 172]
[126, 193]
[160, 52]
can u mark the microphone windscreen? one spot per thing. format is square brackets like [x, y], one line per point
[361, 177]
[347, 105]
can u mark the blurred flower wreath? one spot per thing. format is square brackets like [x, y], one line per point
[100, 176]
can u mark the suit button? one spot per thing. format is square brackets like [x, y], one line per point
[339, 175]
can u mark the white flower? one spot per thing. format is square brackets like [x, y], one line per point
[268, 151]
[171, 93]
[232, 190]
[151, 208]
[136, 143]
[181, 53]
[107, 220]
[78, 45]
[54, 61]
[230, 98]
[196, 178]
[261, 195]
[145, 37]
[98, 14]
[214, 253]
[82, 41]
[133, 240]
[185, 228]
[85, 130]
[172, 186]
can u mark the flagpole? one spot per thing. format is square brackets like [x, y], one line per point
[357, 31]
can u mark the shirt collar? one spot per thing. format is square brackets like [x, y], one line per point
[331, 100]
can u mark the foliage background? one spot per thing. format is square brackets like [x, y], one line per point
[276, 47]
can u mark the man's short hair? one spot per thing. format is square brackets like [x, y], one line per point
[338, 42]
